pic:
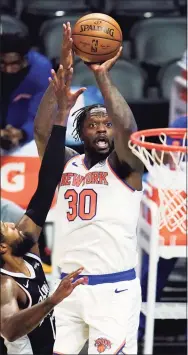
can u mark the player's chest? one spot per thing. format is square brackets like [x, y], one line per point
[32, 291]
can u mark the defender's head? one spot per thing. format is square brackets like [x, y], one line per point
[94, 128]
[14, 242]
[14, 47]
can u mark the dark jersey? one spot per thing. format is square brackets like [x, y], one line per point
[41, 339]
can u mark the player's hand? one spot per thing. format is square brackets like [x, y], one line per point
[66, 57]
[67, 285]
[66, 99]
[106, 66]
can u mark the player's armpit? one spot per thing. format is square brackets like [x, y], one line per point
[124, 153]
[26, 225]
[8, 305]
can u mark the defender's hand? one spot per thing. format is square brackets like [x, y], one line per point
[67, 285]
[62, 89]
[66, 57]
[106, 66]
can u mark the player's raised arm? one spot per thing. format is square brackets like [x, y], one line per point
[48, 106]
[53, 160]
[119, 111]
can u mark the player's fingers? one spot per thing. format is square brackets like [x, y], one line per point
[54, 77]
[69, 29]
[75, 273]
[64, 27]
[117, 55]
[79, 92]
[109, 63]
[69, 74]
[81, 281]
[61, 75]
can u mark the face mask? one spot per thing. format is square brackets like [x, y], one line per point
[10, 81]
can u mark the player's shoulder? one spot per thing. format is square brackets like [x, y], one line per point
[70, 153]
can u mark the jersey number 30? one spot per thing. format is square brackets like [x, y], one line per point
[83, 205]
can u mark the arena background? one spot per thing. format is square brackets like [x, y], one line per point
[154, 34]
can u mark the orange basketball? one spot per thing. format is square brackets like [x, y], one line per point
[96, 38]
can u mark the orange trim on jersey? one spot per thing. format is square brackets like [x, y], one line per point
[120, 347]
[56, 353]
[76, 156]
[123, 182]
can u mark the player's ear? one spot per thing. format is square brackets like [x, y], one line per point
[3, 248]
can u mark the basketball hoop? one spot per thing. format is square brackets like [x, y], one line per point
[167, 167]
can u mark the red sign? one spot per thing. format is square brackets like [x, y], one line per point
[19, 178]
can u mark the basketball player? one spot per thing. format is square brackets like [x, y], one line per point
[99, 203]
[27, 322]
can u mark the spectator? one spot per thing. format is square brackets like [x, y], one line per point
[24, 77]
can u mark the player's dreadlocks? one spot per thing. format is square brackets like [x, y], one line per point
[81, 115]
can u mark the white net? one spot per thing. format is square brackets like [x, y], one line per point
[167, 173]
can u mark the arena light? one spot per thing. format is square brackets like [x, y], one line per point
[59, 13]
[148, 14]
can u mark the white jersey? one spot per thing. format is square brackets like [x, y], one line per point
[98, 215]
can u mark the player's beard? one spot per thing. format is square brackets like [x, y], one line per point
[22, 246]
[95, 155]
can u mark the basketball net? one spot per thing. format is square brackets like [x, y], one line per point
[167, 174]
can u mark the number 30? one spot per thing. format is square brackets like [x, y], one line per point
[77, 204]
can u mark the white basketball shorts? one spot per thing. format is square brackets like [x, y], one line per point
[105, 312]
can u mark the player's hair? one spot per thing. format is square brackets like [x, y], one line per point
[80, 117]
[14, 42]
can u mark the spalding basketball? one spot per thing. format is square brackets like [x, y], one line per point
[96, 38]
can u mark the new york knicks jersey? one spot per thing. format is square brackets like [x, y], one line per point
[41, 339]
[97, 219]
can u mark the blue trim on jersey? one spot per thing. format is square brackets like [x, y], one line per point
[107, 278]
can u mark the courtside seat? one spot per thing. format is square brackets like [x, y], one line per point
[139, 7]
[165, 78]
[50, 8]
[8, 7]
[10, 24]
[129, 78]
[158, 40]
[51, 34]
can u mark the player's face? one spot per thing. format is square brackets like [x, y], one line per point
[14, 241]
[97, 132]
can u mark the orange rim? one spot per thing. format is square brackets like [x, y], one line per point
[176, 133]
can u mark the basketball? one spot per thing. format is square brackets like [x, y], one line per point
[96, 38]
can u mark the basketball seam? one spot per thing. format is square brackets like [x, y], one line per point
[110, 39]
[93, 19]
[92, 54]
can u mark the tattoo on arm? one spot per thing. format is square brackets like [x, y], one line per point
[122, 118]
